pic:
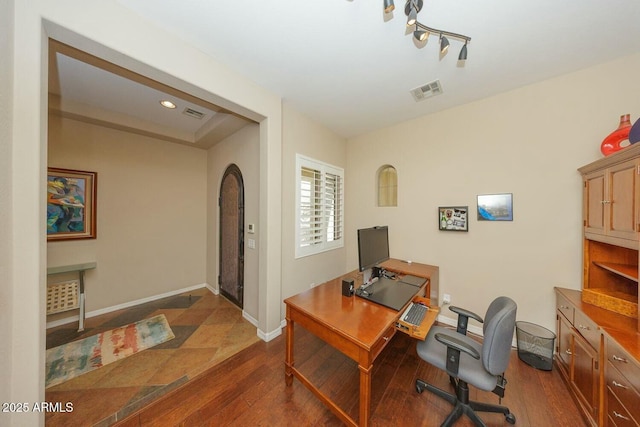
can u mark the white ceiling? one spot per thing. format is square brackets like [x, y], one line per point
[348, 65]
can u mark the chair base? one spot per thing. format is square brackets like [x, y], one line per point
[462, 405]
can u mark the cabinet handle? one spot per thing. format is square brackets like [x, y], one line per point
[568, 352]
[385, 338]
[584, 327]
[617, 384]
[620, 359]
[616, 414]
[605, 202]
[564, 307]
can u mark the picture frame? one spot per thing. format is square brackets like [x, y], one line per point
[71, 204]
[495, 207]
[453, 218]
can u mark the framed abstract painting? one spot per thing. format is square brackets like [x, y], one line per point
[71, 204]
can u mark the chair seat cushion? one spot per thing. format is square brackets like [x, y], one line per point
[471, 370]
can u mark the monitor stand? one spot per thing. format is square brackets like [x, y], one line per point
[367, 276]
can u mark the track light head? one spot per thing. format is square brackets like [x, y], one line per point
[444, 44]
[463, 53]
[413, 17]
[389, 6]
[420, 35]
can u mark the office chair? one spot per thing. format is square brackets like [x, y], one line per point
[469, 362]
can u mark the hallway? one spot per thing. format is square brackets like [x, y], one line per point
[208, 329]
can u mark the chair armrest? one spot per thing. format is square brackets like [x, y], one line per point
[454, 347]
[463, 318]
[452, 342]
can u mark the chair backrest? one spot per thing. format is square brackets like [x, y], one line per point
[498, 327]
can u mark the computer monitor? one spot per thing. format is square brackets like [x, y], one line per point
[373, 246]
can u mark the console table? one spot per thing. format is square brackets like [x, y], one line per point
[358, 328]
[80, 269]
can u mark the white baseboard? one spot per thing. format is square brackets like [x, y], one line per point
[268, 336]
[106, 310]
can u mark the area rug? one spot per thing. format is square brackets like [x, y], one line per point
[79, 357]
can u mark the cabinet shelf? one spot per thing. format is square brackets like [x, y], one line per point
[625, 270]
[616, 301]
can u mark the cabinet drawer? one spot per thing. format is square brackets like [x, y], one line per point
[624, 363]
[587, 329]
[616, 413]
[623, 390]
[382, 342]
[563, 306]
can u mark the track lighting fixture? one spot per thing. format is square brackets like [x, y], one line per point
[444, 44]
[463, 53]
[389, 6]
[420, 35]
[421, 31]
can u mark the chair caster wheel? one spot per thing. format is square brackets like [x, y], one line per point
[511, 419]
[420, 386]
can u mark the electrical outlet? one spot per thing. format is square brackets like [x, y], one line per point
[446, 299]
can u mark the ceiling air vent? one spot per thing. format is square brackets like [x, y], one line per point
[427, 91]
[193, 113]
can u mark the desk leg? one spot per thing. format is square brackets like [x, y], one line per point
[81, 302]
[289, 354]
[365, 394]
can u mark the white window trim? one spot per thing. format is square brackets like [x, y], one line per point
[322, 245]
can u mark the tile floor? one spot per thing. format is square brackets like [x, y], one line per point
[208, 329]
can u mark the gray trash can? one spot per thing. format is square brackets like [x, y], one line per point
[535, 345]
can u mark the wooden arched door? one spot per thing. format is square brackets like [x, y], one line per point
[231, 203]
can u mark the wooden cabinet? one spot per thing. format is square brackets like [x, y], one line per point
[622, 376]
[610, 202]
[578, 357]
[611, 209]
[598, 355]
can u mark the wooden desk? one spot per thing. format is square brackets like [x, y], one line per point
[355, 326]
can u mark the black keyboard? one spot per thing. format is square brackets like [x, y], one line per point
[415, 314]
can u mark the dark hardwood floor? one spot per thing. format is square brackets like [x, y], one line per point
[249, 389]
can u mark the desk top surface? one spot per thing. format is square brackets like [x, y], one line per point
[361, 320]
[70, 268]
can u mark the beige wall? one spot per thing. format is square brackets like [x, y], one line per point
[6, 234]
[241, 149]
[528, 142]
[151, 213]
[301, 135]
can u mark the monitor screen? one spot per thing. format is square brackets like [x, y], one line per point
[373, 246]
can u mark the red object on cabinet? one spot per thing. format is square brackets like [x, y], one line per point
[613, 142]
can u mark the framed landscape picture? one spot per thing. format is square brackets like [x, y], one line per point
[453, 218]
[71, 204]
[495, 207]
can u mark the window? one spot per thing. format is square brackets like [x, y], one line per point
[319, 206]
[387, 186]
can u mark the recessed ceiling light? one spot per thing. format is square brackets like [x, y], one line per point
[168, 104]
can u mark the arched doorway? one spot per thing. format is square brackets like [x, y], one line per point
[231, 203]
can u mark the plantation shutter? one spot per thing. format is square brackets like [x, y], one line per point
[333, 206]
[319, 205]
[310, 222]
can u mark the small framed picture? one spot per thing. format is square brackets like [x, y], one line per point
[71, 204]
[453, 218]
[495, 207]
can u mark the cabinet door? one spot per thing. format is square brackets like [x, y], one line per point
[585, 375]
[594, 202]
[621, 200]
[563, 345]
